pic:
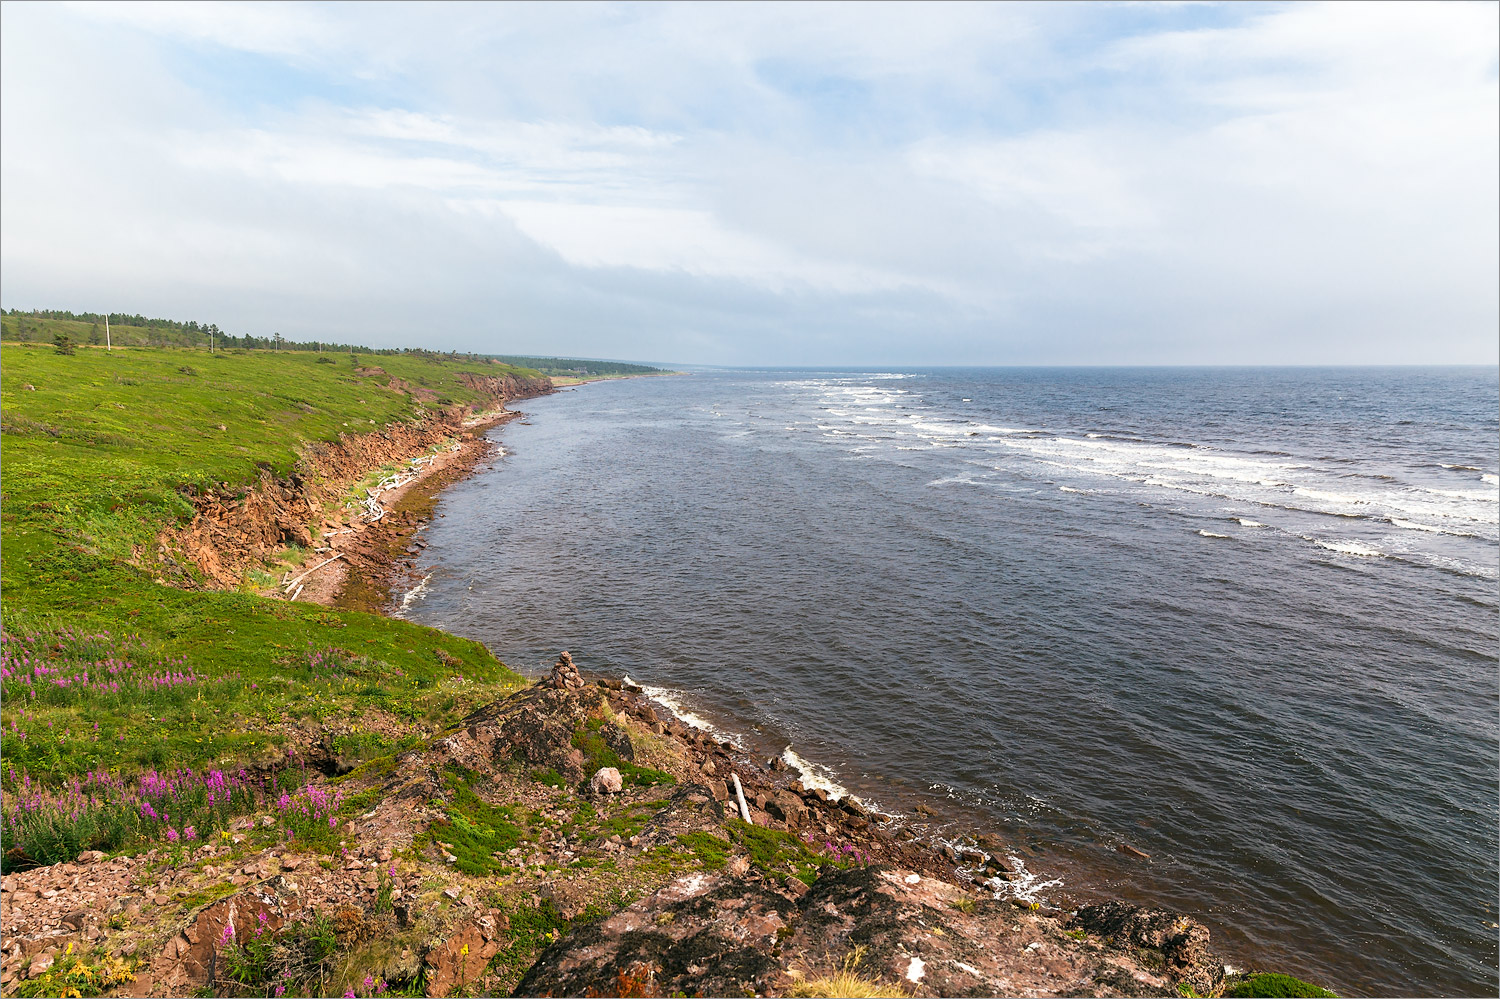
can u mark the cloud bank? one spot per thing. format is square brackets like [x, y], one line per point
[762, 184]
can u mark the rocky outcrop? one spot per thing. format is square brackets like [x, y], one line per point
[1182, 942]
[461, 959]
[700, 935]
[484, 853]
[890, 928]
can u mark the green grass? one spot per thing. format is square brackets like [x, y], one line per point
[532, 928]
[95, 461]
[711, 851]
[474, 829]
[776, 853]
[1275, 986]
[207, 896]
[78, 973]
[596, 754]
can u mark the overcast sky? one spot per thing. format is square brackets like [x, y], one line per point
[710, 183]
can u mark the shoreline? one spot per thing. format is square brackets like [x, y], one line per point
[955, 839]
[516, 770]
[381, 570]
[380, 554]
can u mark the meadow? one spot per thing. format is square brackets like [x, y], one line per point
[108, 675]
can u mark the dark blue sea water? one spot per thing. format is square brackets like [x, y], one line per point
[1244, 620]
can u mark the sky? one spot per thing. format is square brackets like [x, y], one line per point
[852, 184]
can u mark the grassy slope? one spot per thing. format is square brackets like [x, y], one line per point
[92, 459]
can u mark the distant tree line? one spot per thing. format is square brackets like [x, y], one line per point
[127, 330]
[137, 330]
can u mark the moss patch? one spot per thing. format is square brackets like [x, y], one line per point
[711, 851]
[475, 830]
[1277, 986]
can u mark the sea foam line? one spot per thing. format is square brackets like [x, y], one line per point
[670, 699]
[414, 594]
[814, 775]
[1023, 884]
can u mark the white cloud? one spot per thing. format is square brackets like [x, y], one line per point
[970, 183]
[280, 29]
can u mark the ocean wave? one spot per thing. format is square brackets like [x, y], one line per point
[1070, 489]
[1023, 884]
[414, 594]
[1348, 548]
[1247, 522]
[671, 700]
[814, 775]
[1413, 526]
[1211, 534]
[1492, 479]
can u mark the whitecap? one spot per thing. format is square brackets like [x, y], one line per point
[1349, 548]
[1414, 526]
[1247, 522]
[1327, 497]
[1070, 489]
[1211, 534]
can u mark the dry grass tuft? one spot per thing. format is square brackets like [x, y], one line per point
[846, 983]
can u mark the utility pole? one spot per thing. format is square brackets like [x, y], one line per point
[108, 347]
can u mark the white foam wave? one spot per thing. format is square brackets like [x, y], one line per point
[1491, 479]
[1247, 522]
[1326, 496]
[1070, 489]
[1023, 884]
[1211, 534]
[814, 775]
[414, 594]
[1349, 548]
[1429, 529]
[670, 699]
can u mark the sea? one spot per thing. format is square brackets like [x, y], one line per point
[1242, 621]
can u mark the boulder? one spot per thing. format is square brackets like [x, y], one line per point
[459, 960]
[606, 780]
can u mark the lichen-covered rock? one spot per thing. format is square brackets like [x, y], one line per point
[735, 933]
[701, 935]
[1182, 942]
